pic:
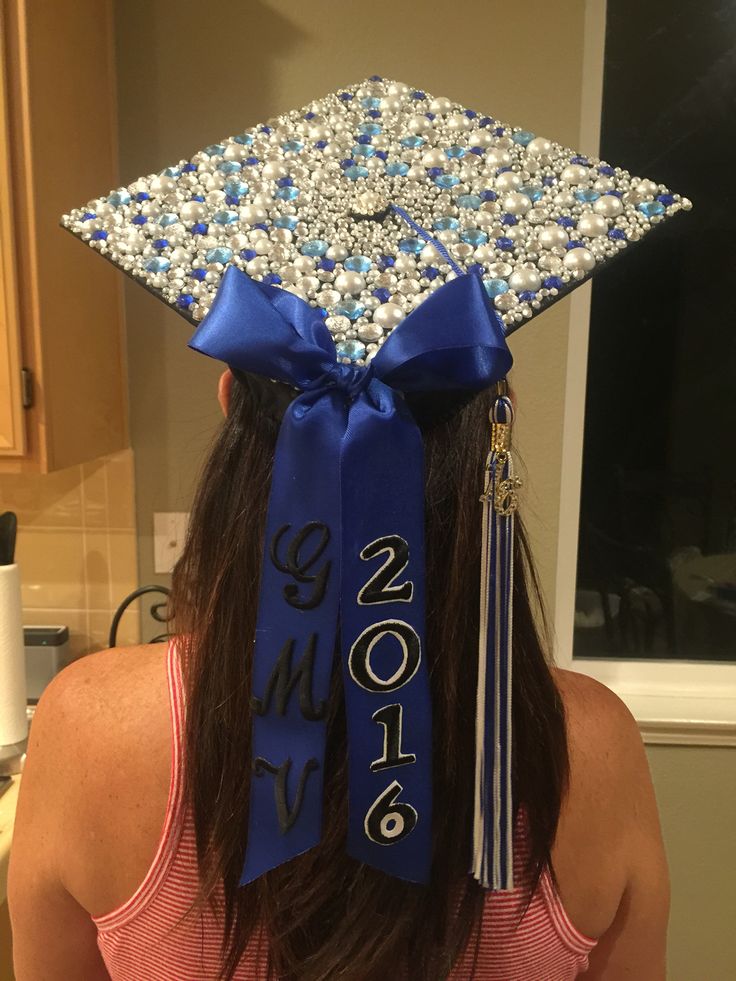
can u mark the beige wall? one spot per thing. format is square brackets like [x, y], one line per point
[185, 80]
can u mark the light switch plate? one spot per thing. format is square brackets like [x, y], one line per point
[169, 532]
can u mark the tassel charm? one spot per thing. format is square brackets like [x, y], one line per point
[493, 855]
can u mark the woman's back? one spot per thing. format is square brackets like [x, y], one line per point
[103, 755]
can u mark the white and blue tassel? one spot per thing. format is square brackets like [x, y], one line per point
[493, 856]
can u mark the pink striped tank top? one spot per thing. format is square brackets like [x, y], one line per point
[155, 936]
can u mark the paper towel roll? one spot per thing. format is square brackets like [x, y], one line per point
[13, 720]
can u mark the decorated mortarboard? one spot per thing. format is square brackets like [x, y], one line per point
[371, 248]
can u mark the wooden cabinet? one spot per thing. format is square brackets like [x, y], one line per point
[61, 307]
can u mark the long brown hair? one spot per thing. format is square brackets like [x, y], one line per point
[325, 915]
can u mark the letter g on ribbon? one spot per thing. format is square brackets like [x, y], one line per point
[345, 545]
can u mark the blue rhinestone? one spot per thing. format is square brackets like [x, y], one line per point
[374, 113]
[265, 129]
[171, 172]
[477, 150]
[197, 197]
[292, 146]
[616, 233]
[327, 264]
[315, 247]
[474, 236]
[503, 170]
[215, 149]
[382, 154]
[230, 167]
[566, 222]
[142, 196]
[666, 199]
[455, 152]
[447, 180]
[495, 287]
[370, 102]
[446, 223]
[271, 279]
[252, 161]
[363, 150]
[412, 141]
[471, 201]
[119, 198]
[161, 243]
[587, 194]
[346, 96]
[615, 194]
[397, 169]
[236, 189]
[358, 263]
[532, 192]
[430, 116]
[309, 115]
[347, 162]
[471, 113]
[139, 220]
[431, 273]
[98, 235]
[184, 300]
[418, 94]
[385, 262]
[499, 131]
[523, 137]
[527, 295]
[286, 221]
[244, 139]
[435, 171]
[350, 308]
[220, 254]
[376, 78]
[582, 161]
[248, 254]
[488, 195]
[606, 170]
[167, 218]
[651, 208]
[553, 283]
[189, 168]
[411, 245]
[574, 245]
[505, 244]
[351, 348]
[158, 264]
[382, 294]
[355, 172]
[286, 193]
[225, 217]
[364, 138]
[370, 129]
[285, 182]
[320, 144]
[198, 274]
[549, 181]
[485, 121]
[198, 229]
[508, 220]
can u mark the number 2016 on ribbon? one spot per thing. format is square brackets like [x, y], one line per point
[388, 820]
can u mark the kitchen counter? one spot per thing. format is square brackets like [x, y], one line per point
[8, 803]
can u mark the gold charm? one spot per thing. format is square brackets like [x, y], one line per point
[505, 498]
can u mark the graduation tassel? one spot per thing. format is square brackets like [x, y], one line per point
[493, 864]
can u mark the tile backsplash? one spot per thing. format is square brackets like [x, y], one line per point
[77, 548]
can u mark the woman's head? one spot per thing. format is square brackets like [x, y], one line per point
[324, 911]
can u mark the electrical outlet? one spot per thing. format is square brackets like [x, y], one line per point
[169, 532]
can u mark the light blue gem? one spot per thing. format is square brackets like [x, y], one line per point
[363, 150]
[350, 349]
[225, 217]
[168, 218]
[292, 146]
[413, 141]
[370, 102]
[523, 137]
[244, 139]
[532, 192]
[358, 263]
[472, 201]
[651, 208]
[286, 193]
[446, 223]
[354, 172]
[495, 287]
[412, 245]
[454, 152]
[230, 167]
[587, 194]
[474, 236]
[119, 198]
[446, 180]
[220, 254]
[350, 308]
[157, 264]
[286, 221]
[315, 247]
[397, 169]
[370, 129]
[236, 189]
[171, 172]
[215, 149]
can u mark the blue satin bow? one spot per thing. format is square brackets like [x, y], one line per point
[345, 550]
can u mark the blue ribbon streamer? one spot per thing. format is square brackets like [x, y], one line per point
[345, 552]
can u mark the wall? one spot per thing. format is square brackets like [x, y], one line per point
[185, 80]
[76, 547]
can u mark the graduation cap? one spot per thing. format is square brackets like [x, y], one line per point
[368, 254]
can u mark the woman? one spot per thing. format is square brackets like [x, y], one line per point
[98, 889]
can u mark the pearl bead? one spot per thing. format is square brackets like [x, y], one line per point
[388, 315]
[591, 225]
[440, 105]
[525, 279]
[516, 204]
[579, 260]
[508, 181]
[498, 158]
[539, 147]
[575, 174]
[350, 282]
[609, 206]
